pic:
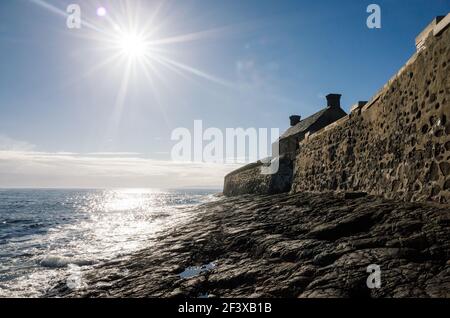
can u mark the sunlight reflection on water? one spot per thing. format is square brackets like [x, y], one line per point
[47, 231]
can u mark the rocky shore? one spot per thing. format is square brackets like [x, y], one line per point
[288, 245]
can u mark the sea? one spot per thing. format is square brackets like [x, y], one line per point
[46, 235]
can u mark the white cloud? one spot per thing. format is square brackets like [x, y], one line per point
[27, 168]
[22, 166]
[113, 153]
[261, 80]
[7, 143]
[321, 95]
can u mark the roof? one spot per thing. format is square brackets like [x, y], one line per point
[303, 125]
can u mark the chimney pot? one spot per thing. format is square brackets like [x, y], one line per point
[334, 100]
[295, 119]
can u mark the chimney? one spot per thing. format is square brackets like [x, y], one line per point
[358, 106]
[334, 100]
[295, 119]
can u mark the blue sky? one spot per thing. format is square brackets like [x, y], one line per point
[269, 59]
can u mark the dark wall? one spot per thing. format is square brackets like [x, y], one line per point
[250, 180]
[289, 145]
[399, 146]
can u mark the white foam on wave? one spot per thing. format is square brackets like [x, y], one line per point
[101, 225]
[54, 261]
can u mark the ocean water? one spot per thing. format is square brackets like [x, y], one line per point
[47, 235]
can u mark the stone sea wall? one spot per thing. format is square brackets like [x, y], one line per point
[250, 180]
[398, 145]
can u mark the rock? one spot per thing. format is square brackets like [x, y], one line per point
[445, 168]
[288, 245]
[354, 195]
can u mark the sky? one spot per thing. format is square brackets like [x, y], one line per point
[74, 114]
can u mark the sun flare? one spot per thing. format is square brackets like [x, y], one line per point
[135, 40]
[132, 45]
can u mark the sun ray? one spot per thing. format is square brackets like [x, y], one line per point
[194, 36]
[194, 71]
[135, 44]
[150, 27]
[155, 93]
[120, 101]
[132, 35]
[148, 63]
[96, 68]
[174, 69]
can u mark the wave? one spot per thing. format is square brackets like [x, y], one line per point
[62, 261]
[52, 233]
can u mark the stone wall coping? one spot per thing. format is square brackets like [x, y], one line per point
[386, 87]
[429, 29]
[436, 28]
[442, 25]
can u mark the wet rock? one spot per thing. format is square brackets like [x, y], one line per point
[354, 195]
[288, 245]
[344, 227]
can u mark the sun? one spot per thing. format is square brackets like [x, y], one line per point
[132, 45]
[130, 38]
[130, 33]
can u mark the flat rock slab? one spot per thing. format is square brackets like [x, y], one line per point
[299, 245]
